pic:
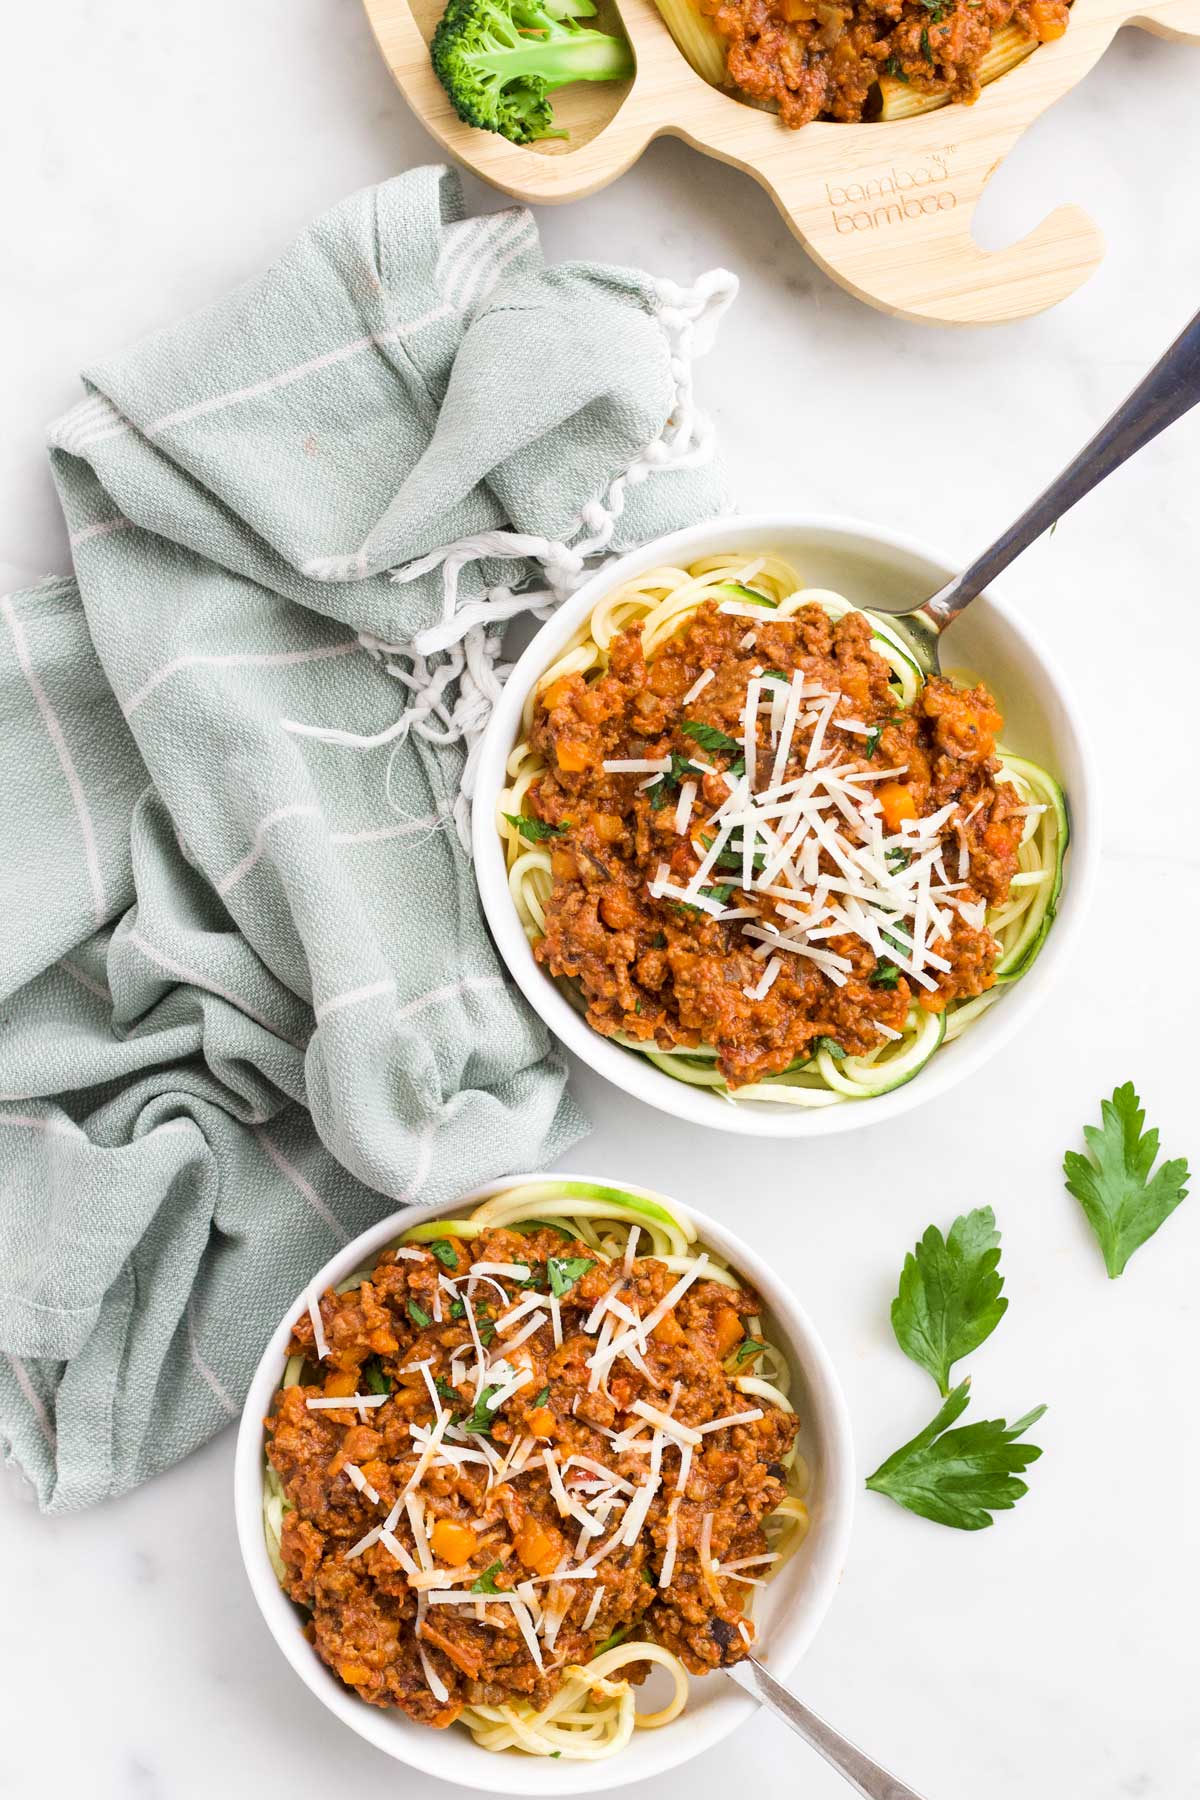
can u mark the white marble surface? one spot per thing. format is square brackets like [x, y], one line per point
[153, 156]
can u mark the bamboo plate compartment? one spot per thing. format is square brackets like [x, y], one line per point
[885, 209]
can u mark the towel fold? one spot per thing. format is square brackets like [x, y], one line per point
[248, 1004]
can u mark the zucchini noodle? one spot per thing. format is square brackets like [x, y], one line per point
[663, 601]
[593, 1713]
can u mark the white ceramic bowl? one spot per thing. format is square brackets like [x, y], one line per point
[789, 1609]
[872, 568]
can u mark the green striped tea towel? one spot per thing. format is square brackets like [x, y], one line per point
[247, 1001]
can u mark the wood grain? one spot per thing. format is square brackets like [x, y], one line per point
[885, 209]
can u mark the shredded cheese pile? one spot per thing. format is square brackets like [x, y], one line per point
[609, 1509]
[824, 858]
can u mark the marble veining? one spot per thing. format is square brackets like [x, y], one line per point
[152, 158]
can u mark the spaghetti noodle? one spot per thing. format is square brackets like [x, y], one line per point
[549, 1446]
[793, 862]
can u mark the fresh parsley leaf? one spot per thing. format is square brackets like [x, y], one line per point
[895, 69]
[417, 1314]
[377, 1382]
[484, 1326]
[1123, 1202]
[949, 1299]
[486, 1583]
[445, 1390]
[535, 830]
[831, 1044]
[541, 1399]
[731, 861]
[709, 738]
[445, 1252]
[926, 50]
[458, 1309]
[746, 1349]
[886, 975]
[482, 1417]
[872, 741]
[720, 890]
[897, 858]
[564, 1271]
[659, 941]
[961, 1477]
[774, 675]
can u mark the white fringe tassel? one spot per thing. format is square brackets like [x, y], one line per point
[450, 670]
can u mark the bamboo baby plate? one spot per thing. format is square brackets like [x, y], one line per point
[885, 209]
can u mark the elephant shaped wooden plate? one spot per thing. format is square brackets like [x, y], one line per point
[885, 208]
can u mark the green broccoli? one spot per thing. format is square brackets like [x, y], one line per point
[499, 59]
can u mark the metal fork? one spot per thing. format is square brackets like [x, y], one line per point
[865, 1777]
[1171, 389]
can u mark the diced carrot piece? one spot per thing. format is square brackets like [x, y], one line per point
[538, 1546]
[563, 866]
[354, 1674]
[339, 1384]
[727, 1330]
[1048, 20]
[607, 826]
[541, 1422]
[453, 1543]
[897, 803]
[668, 1330]
[573, 758]
[556, 693]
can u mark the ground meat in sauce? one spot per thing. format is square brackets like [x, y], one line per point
[672, 976]
[362, 1612]
[819, 59]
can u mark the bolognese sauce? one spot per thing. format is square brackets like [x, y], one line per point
[505, 1453]
[818, 59]
[810, 899]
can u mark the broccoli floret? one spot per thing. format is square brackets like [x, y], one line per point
[499, 59]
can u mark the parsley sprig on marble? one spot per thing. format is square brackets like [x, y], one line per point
[949, 1302]
[959, 1477]
[949, 1299]
[1124, 1203]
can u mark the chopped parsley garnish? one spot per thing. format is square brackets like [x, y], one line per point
[894, 68]
[486, 1583]
[481, 1418]
[897, 858]
[746, 1349]
[926, 50]
[445, 1252]
[886, 975]
[535, 830]
[541, 1399]
[1123, 1202]
[962, 1477]
[377, 1382]
[483, 1324]
[564, 1271]
[417, 1314]
[731, 860]
[444, 1389]
[949, 1299]
[659, 941]
[872, 741]
[832, 1046]
[710, 738]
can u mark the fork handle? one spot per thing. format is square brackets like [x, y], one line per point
[865, 1777]
[1171, 389]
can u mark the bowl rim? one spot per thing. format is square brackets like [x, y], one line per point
[624, 1068]
[791, 1634]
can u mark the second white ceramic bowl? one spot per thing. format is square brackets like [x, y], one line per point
[789, 1611]
[872, 568]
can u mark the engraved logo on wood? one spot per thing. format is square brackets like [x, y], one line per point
[893, 197]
